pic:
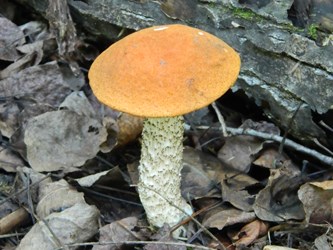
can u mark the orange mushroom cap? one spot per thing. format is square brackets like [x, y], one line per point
[164, 71]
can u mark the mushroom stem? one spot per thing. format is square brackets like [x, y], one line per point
[160, 171]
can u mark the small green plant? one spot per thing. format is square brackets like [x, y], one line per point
[313, 31]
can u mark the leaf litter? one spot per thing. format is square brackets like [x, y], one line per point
[243, 189]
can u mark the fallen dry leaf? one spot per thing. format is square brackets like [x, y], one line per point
[79, 103]
[30, 111]
[8, 118]
[10, 37]
[163, 235]
[272, 247]
[42, 83]
[62, 139]
[29, 176]
[325, 241]
[235, 192]
[317, 198]
[250, 232]
[199, 174]
[16, 67]
[270, 157]
[240, 151]
[55, 197]
[278, 201]
[118, 232]
[325, 185]
[35, 30]
[223, 216]
[9, 160]
[130, 127]
[90, 180]
[35, 49]
[72, 225]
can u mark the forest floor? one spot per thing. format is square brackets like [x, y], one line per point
[63, 187]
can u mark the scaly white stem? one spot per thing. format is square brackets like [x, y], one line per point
[160, 171]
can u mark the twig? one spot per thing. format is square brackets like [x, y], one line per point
[221, 120]
[24, 189]
[87, 190]
[137, 243]
[13, 220]
[4, 236]
[288, 128]
[322, 146]
[56, 240]
[326, 126]
[289, 143]
[283, 140]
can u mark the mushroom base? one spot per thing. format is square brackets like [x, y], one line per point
[160, 171]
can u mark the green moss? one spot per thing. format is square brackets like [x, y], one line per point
[244, 13]
[291, 28]
[312, 31]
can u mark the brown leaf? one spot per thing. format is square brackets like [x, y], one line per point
[324, 242]
[278, 201]
[325, 185]
[317, 198]
[130, 127]
[17, 66]
[199, 174]
[202, 172]
[73, 225]
[57, 196]
[9, 161]
[30, 111]
[118, 231]
[8, 118]
[234, 192]
[79, 103]
[62, 139]
[10, 37]
[272, 247]
[183, 10]
[250, 233]
[240, 151]
[163, 235]
[268, 157]
[223, 216]
[35, 49]
[42, 84]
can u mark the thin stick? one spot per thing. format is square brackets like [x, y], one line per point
[221, 120]
[137, 243]
[322, 146]
[56, 240]
[24, 189]
[4, 236]
[288, 128]
[287, 142]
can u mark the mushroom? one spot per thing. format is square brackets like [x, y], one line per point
[161, 73]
